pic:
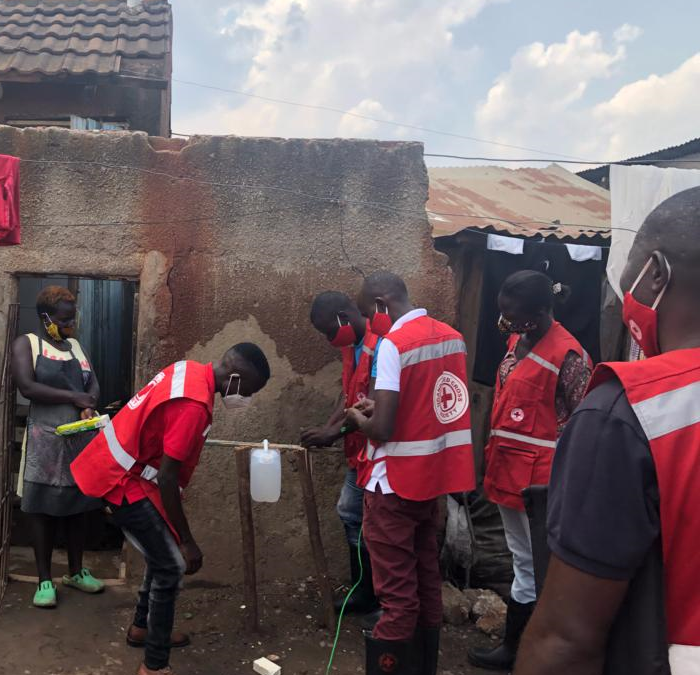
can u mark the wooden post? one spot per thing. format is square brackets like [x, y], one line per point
[307, 486]
[245, 505]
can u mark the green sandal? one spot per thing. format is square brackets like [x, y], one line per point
[45, 596]
[84, 581]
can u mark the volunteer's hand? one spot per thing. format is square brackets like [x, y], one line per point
[87, 414]
[318, 437]
[192, 555]
[84, 401]
[365, 406]
[355, 418]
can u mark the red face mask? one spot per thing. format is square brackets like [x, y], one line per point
[345, 336]
[643, 321]
[381, 322]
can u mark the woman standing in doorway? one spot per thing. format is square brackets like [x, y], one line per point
[53, 372]
[540, 382]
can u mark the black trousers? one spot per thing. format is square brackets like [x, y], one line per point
[146, 530]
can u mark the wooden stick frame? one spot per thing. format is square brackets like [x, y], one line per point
[245, 503]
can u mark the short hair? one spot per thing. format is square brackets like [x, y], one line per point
[254, 356]
[673, 226]
[329, 302]
[51, 297]
[534, 290]
[386, 283]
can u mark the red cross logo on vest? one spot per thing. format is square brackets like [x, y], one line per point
[388, 663]
[450, 398]
[447, 399]
[517, 415]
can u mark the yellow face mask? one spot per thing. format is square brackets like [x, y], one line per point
[52, 329]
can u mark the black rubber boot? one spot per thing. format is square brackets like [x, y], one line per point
[503, 656]
[427, 642]
[363, 600]
[395, 657]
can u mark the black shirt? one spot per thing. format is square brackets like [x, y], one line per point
[603, 519]
[603, 514]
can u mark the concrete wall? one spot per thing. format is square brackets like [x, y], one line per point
[219, 263]
[145, 109]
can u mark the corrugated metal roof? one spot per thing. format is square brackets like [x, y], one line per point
[75, 37]
[550, 202]
[601, 175]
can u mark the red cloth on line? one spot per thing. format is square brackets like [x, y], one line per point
[9, 201]
[174, 429]
[401, 538]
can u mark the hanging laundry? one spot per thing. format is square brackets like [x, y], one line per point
[512, 245]
[581, 252]
[9, 201]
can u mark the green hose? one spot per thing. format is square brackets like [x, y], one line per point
[345, 602]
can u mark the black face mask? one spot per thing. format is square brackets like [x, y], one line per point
[511, 328]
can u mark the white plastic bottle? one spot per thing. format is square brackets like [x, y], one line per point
[265, 474]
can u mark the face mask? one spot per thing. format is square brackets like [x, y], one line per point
[52, 329]
[235, 401]
[643, 321]
[381, 322]
[510, 328]
[345, 335]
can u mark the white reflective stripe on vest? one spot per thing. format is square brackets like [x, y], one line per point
[430, 352]
[684, 659]
[669, 412]
[524, 439]
[149, 473]
[121, 456]
[542, 362]
[433, 446]
[367, 350]
[177, 389]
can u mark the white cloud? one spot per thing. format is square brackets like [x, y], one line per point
[653, 113]
[532, 103]
[539, 102]
[352, 125]
[627, 33]
[388, 59]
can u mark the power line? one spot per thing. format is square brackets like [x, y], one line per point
[340, 111]
[619, 162]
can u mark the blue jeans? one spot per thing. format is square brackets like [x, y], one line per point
[146, 530]
[349, 507]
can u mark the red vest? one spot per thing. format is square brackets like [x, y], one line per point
[524, 420]
[430, 451]
[114, 453]
[664, 393]
[356, 387]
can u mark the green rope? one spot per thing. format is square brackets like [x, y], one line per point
[345, 602]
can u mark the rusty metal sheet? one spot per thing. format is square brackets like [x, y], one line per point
[550, 202]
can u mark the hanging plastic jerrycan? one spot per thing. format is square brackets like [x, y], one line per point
[265, 474]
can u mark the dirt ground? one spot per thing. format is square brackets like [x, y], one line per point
[85, 634]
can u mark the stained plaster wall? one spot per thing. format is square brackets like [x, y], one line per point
[220, 263]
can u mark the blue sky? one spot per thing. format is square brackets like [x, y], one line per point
[594, 80]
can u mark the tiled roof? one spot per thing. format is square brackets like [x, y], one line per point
[74, 37]
[551, 202]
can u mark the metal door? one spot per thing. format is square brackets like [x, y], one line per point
[7, 439]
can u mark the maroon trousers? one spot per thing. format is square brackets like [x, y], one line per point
[401, 537]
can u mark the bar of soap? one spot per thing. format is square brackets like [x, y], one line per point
[266, 667]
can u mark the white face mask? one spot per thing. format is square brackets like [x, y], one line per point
[235, 401]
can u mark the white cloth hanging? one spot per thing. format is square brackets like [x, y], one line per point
[513, 245]
[635, 191]
[582, 252]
